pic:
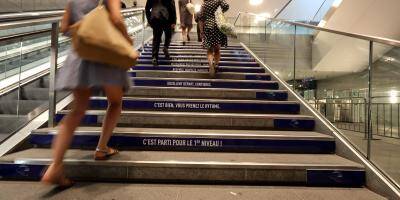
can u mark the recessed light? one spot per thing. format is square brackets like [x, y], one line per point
[255, 2]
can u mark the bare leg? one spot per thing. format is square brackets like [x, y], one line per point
[184, 34]
[114, 96]
[65, 133]
[188, 33]
[217, 54]
[210, 56]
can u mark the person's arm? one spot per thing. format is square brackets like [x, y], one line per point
[172, 12]
[114, 7]
[66, 19]
[148, 7]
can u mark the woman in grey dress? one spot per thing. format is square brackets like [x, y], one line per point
[81, 77]
[213, 38]
[186, 19]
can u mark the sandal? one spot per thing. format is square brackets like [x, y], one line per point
[58, 179]
[105, 154]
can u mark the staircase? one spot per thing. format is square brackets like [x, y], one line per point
[179, 126]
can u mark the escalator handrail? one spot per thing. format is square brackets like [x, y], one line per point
[46, 14]
[381, 40]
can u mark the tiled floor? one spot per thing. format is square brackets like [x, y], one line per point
[385, 152]
[109, 191]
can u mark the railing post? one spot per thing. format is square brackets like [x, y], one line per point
[371, 51]
[143, 27]
[52, 76]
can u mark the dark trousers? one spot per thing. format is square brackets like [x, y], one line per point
[157, 34]
[198, 33]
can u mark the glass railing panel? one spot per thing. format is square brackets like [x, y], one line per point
[331, 73]
[385, 109]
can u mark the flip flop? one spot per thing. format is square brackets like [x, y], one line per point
[107, 154]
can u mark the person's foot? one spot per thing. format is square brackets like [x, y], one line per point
[105, 154]
[154, 61]
[188, 37]
[166, 53]
[54, 175]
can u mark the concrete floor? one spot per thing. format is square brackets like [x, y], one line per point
[110, 191]
[385, 152]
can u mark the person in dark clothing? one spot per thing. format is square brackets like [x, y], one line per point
[197, 19]
[161, 15]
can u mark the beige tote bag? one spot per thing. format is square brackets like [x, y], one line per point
[95, 38]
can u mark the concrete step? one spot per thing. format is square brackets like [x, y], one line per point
[198, 57]
[22, 107]
[198, 75]
[211, 93]
[149, 46]
[203, 68]
[201, 120]
[200, 105]
[90, 190]
[197, 140]
[35, 94]
[223, 50]
[201, 63]
[10, 123]
[204, 83]
[197, 53]
[192, 167]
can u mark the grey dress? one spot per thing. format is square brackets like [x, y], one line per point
[186, 17]
[79, 73]
[212, 36]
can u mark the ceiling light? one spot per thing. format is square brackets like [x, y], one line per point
[255, 2]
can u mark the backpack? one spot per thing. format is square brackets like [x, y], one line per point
[159, 13]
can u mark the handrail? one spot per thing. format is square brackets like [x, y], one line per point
[283, 8]
[381, 40]
[45, 14]
[45, 17]
[25, 34]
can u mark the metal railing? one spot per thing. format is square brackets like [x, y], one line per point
[289, 36]
[19, 20]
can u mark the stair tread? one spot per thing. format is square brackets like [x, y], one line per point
[191, 159]
[33, 190]
[209, 80]
[254, 134]
[219, 89]
[199, 114]
[201, 100]
[188, 72]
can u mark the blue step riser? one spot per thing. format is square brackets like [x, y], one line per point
[204, 54]
[200, 107]
[339, 178]
[200, 69]
[336, 178]
[246, 77]
[195, 48]
[202, 59]
[201, 63]
[206, 84]
[278, 124]
[240, 51]
[195, 144]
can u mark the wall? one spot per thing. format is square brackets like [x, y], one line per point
[369, 17]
